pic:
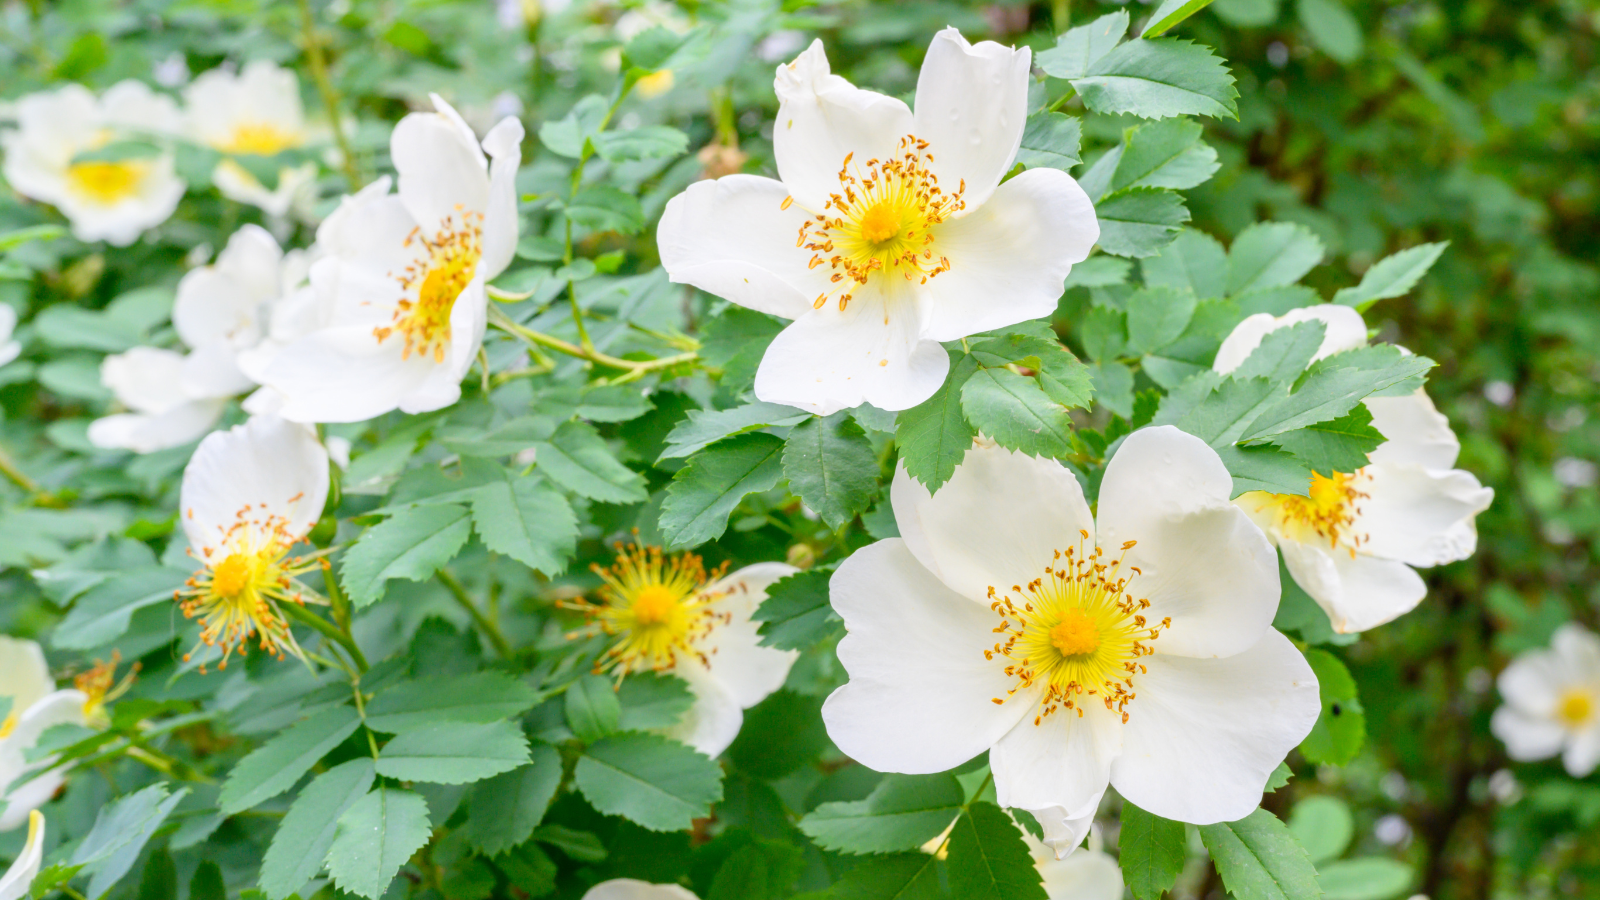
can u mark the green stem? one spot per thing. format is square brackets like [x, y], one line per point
[327, 629]
[577, 182]
[504, 323]
[330, 97]
[489, 629]
[15, 475]
[1059, 101]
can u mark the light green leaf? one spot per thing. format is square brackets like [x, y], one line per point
[1159, 78]
[503, 811]
[902, 813]
[796, 614]
[120, 834]
[1323, 825]
[1060, 375]
[1283, 354]
[899, 876]
[1113, 386]
[592, 708]
[988, 859]
[613, 403]
[577, 458]
[1265, 468]
[1329, 390]
[307, 831]
[704, 493]
[652, 700]
[479, 697]
[1246, 13]
[1333, 29]
[1016, 413]
[1157, 316]
[647, 142]
[1152, 852]
[1051, 139]
[275, 766]
[455, 753]
[1170, 14]
[1139, 221]
[831, 465]
[934, 435]
[1259, 859]
[1165, 154]
[1099, 271]
[655, 782]
[102, 613]
[1392, 276]
[1194, 261]
[1079, 48]
[1271, 254]
[412, 544]
[602, 207]
[568, 135]
[1372, 878]
[527, 520]
[1341, 729]
[704, 427]
[376, 836]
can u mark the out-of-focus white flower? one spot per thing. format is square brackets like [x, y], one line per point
[162, 413]
[1500, 393]
[1353, 542]
[255, 112]
[667, 615]
[171, 72]
[36, 706]
[1086, 875]
[632, 889]
[405, 274]
[1553, 702]
[114, 200]
[9, 348]
[1135, 651]
[1570, 471]
[889, 230]
[14, 884]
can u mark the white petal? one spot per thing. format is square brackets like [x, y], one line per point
[629, 889]
[1343, 330]
[1527, 737]
[1064, 831]
[145, 379]
[1582, 753]
[1063, 761]
[1201, 560]
[745, 669]
[1088, 875]
[1578, 650]
[504, 144]
[223, 302]
[212, 371]
[442, 172]
[370, 216]
[823, 118]
[972, 103]
[14, 884]
[1203, 735]
[147, 433]
[920, 696]
[24, 675]
[870, 352]
[8, 322]
[1416, 432]
[1372, 591]
[28, 795]
[732, 237]
[344, 375]
[998, 521]
[1419, 516]
[264, 468]
[1010, 257]
[713, 721]
[1533, 683]
[63, 707]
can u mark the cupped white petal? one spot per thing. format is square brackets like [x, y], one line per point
[1419, 516]
[1357, 591]
[1089, 875]
[27, 794]
[504, 146]
[132, 106]
[1064, 761]
[1583, 752]
[1200, 559]
[748, 671]
[1009, 259]
[1064, 830]
[14, 884]
[1415, 431]
[24, 674]
[732, 237]
[921, 694]
[998, 521]
[265, 468]
[822, 119]
[343, 374]
[714, 719]
[1204, 735]
[1527, 737]
[24, 791]
[972, 103]
[630, 889]
[1343, 330]
[442, 172]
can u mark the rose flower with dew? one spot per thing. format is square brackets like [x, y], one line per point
[667, 614]
[406, 276]
[1135, 650]
[1553, 702]
[888, 231]
[249, 495]
[15, 882]
[50, 158]
[255, 112]
[1351, 544]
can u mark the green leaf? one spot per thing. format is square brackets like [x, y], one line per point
[1247, 13]
[901, 876]
[1139, 221]
[760, 870]
[780, 735]
[527, 520]
[1165, 154]
[1194, 261]
[1271, 254]
[1330, 389]
[652, 700]
[503, 811]
[1060, 375]
[1283, 354]
[275, 766]
[934, 435]
[102, 613]
[1259, 859]
[412, 544]
[602, 207]
[1392, 276]
[568, 135]
[1372, 878]
[647, 142]
[1079, 48]
[902, 813]
[1099, 271]
[1159, 78]
[121, 831]
[592, 708]
[456, 753]
[1341, 729]
[1157, 317]
[1016, 413]
[704, 493]
[307, 831]
[1265, 468]
[796, 614]
[648, 779]
[988, 859]
[1051, 140]
[158, 881]
[75, 327]
[704, 427]
[476, 698]
[376, 836]
[1322, 825]
[831, 465]
[1169, 14]
[1333, 29]
[1113, 386]
[613, 403]
[1337, 445]
[1152, 851]
[1224, 412]
[576, 458]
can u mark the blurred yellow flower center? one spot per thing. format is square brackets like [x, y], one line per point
[258, 139]
[99, 686]
[107, 182]
[655, 84]
[236, 595]
[10, 722]
[1576, 707]
[1077, 630]
[657, 607]
[882, 219]
[438, 279]
[1328, 513]
[654, 605]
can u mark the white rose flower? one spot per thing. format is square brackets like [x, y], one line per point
[407, 275]
[109, 200]
[36, 706]
[669, 616]
[14, 884]
[889, 230]
[1353, 542]
[633, 889]
[9, 349]
[1553, 702]
[1135, 651]
[249, 495]
[255, 112]
[163, 413]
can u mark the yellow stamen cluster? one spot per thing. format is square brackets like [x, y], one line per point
[107, 182]
[1077, 630]
[1329, 513]
[1576, 707]
[657, 606]
[258, 139]
[882, 219]
[100, 686]
[437, 280]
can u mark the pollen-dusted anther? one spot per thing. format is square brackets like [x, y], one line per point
[100, 686]
[437, 280]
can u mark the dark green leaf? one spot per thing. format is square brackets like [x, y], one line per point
[412, 544]
[796, 614]
[275, 766]
[503, 811]
[1259, 859]
[704, 493]
[652, 700]
[480, 697]
[207, 883]
[902, 813]
[901, 876]
[1152, 851]
[988, 859]
[376, 836]
[760, 870]
[934, 435]
[654, 782]
[306, 833]
[830, 465]
[1342, 728]
[592, 708]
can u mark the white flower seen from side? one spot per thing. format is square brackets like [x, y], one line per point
[1552, 702]
[37, 706]
[111, 199]
[667, 614]
[406, 276]
[249, 495]
[1134, 650]
[888, 230]
[633, 889]
[1353, 542]
[15, 882]
[254, 112]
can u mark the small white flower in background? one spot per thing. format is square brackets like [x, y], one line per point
[1353, 542]
[249, 495]
[1086, 875]
[405, 275]
[1569, 471]
[1553, 702]
[889, 230]
[114, 200]
[14, 884]
[1136, 651]
[171, 72]
[668, 615]
[9, 348]
[149, 383]
[632, 889]
[36, 706]
[255, 112]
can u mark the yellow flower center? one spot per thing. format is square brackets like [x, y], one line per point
[237, 595]
[657, 607]
[438, 279]
[1077, 630]
[1576, 707]
[1327, 514]
[258, 139]
[105, 182]
[100, 686]
[883, 219]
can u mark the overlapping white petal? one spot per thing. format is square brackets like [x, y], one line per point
[15, 882]
[266, 470]
[1552, 702]
[36, 706]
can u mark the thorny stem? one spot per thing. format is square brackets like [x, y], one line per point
[489, 629]
[330, 97]
[633, 367]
